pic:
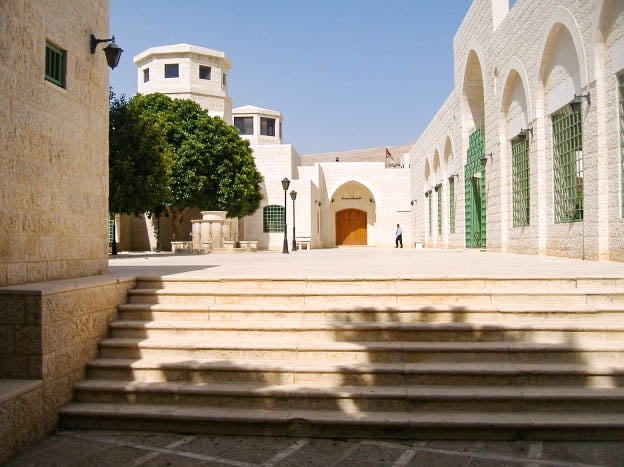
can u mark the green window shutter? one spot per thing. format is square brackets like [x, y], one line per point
[621, 95]
[520, 181]
[440, 209]
[273, 218]
[55, 65]
[452, 205]
[568, 165]
[430, 212]
[474, 184]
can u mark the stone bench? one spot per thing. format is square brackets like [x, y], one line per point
[303, 240]
[182, 247]
[248, 245]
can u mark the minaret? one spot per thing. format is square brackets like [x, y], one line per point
[184, 71]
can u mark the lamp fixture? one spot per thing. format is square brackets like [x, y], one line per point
[484, 159]
[437, 187]
[112, 51]
[524, 133]
[454, 175]
[575, 104]
[426, 194]
[318, 203]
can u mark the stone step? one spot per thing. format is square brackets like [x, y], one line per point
[306, 331]
[372, 284]
[492, 314]
[375, 299]
[513, 352]
[326, 423]
[351, 374]
[354, 399]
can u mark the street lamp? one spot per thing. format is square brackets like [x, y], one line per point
[293, 196]
[285, 185]
[112, 51]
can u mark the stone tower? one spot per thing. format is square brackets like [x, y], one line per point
[184, 71]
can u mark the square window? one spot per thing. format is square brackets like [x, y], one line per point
[204, 72]
[267, 126]
[146, 75]
[244, 125]
[172, 70]
[55, 65]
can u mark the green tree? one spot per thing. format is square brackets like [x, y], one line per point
[139, 161]
[212, 166]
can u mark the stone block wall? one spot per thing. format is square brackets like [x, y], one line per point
[49, 331]
[513, 69]
[53, 142]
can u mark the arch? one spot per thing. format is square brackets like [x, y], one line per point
[343, 181]
[436, 165]
[514, 90]
[473, 99]
[602, 20]
[562, 18]
[515, 65]
[427, 174]
[448, 152]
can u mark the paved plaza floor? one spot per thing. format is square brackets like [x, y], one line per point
[363, 262]
[99, 448]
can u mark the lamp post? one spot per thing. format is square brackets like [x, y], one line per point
[285, 185]
[293, 196]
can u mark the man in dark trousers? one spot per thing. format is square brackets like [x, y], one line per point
[398, 237]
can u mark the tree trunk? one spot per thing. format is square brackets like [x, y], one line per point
[177, 219]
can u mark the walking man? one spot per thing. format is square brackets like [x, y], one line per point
[398, 237]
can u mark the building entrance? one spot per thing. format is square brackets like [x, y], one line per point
[351, 227]
[475, 193]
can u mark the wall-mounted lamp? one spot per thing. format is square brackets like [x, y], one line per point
[575, 104]
[484, 158]
[413, 202]
[112, 51]
[332, 200]
[371, 200]
[437, 187]
[318, 203]
[524, 133]
[454, 175]
[426, 194]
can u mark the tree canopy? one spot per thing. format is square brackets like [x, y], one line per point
[212, 166]
[139, 160]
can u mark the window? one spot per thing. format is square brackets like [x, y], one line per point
[55, 65]
[452, 204]
[273, 218]
[439, 190]
[204, 72]
[520, 181]
[172, 70]
[267, 126]
[111, 227]
[224, 79]
[430, 196]
[621, 93]
[244, 125]
[146, 75]
[568, 165]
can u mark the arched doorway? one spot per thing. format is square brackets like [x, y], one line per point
[351, 228]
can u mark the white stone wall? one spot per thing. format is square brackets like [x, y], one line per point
[53, 143]
[514, 68]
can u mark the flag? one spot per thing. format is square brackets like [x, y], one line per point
[388, 154]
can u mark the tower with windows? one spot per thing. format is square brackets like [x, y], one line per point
[184, 71]
[258, 125]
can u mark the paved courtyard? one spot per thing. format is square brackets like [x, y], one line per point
[363, 262]
[94, 448]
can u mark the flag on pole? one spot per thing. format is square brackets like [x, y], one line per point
[388, 155]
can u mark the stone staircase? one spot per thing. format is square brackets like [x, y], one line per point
[396, 358]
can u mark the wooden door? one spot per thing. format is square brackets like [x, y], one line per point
[351, 227]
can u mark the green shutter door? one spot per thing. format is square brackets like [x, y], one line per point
[475, 192]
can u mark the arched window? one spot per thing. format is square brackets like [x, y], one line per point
[273, 218]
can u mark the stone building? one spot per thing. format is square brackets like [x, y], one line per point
[525, 155]
[350, 203]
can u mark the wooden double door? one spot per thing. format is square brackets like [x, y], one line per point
[351, 227]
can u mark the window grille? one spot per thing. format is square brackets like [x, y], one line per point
[452, 205]
[520, 181]
[440, 210]
[111, 227]
[430, 211]
[273, 218]
[621, 94]
[55, 65]
[568, 165]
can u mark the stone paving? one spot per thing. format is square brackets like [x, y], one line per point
[99, 448]
[359, 262]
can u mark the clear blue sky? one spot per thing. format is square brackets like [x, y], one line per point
[345, 74]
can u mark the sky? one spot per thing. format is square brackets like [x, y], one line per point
[345, 74]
